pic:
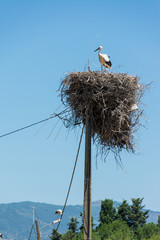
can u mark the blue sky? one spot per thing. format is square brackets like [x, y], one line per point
[41, 41]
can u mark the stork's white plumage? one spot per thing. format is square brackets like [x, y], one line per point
[59, 211]
[134, 108]
[103, 58]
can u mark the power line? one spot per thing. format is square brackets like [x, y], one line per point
[31, 232]
[33, 225]
[31, 125]
[74, 168]
[36, 123]
[71, 179]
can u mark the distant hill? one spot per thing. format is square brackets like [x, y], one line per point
[16, 219]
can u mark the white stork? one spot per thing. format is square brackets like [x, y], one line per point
[59, 211]
[104, 59]
[134, 108]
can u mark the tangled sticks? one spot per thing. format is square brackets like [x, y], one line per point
[110, 99]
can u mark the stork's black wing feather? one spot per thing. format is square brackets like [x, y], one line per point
[109, 63]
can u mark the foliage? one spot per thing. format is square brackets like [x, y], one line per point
[81, 227]
[55, 235]
[72, 229]
[107, 213]
[72, 226]
[150, 229]
[79, 236]
[133, 215]
[116, 230]
[123, 212]
[95, 236]
[155, 237]
[68, 235]
[159, 221]
[128, 222]
[137, 217]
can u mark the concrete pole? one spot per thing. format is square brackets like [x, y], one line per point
[87, 181]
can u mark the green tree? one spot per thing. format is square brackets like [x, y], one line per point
[150, 230]
[137, 216]
[116, 230]
[72, 230]
[124, 212]
[55, 235]
[72, 226]
[79, 236]
[155, 237]
[69, 235]
[158, 221]
[107, 212]
[81, 227]
[95, 236]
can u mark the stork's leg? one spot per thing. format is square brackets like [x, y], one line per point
[101, 67]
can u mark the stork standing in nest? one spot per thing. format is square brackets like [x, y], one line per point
[104, 59]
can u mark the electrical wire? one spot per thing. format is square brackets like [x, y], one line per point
[36, 123]
[74, 168]
[39, 129]
[71, 179]
[58, 132]
[31, 125]
[33, 225]
[31, 232]
[53, 129]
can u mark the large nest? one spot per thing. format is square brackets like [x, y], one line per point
[111, 99]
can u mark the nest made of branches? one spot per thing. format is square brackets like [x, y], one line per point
[111, 100]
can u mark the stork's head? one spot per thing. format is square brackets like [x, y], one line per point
[59, 211]
[99, 48]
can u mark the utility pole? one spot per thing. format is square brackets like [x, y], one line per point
[37, 230]
[87, 181]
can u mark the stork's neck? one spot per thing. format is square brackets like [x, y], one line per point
[100, 50]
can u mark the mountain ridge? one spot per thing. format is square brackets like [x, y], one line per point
[16, 218]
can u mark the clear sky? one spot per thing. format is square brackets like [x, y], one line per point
[41, 41]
